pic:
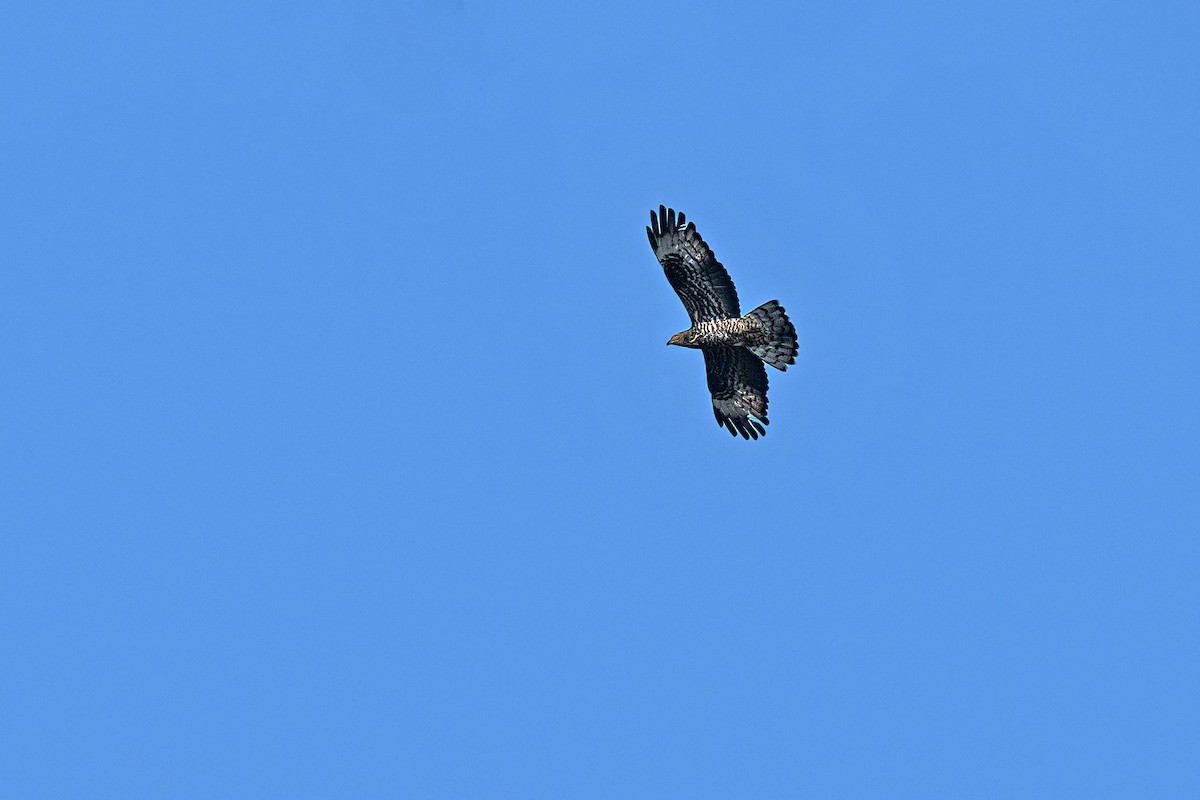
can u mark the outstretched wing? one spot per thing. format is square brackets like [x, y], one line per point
[694, 272]
[738, 382]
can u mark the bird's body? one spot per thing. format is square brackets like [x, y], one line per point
[731, 332]
[735, 347]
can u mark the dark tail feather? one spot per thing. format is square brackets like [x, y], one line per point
[781, 346]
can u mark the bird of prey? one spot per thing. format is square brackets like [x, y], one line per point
[735, 347]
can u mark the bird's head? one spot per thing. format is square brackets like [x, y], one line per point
[683, 339]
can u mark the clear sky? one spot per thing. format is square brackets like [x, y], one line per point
[343, 456]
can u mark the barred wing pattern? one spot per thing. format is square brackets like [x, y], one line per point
[737, 380]
[695, 274]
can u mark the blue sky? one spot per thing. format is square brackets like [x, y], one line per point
[343, 456]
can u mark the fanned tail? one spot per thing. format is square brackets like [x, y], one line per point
[781, 346]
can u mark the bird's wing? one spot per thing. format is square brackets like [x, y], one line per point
[738, 382]
[694, 272]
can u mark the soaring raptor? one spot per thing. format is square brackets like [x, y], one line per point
[735, 347]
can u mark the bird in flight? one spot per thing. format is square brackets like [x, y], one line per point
[735, 347]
